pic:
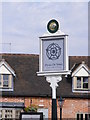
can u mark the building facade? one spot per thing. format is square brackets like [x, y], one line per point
[20, 87]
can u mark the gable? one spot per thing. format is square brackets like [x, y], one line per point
[5, 68]
[82, 70]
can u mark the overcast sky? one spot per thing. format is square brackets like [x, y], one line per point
[24, 22]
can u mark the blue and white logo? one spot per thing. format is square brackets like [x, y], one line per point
[53, 51]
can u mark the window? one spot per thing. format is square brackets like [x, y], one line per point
[5, 81]
[78, 82]
[83, 116]
[85, 82]
[81, 83]
[17, 114]
[10, 113]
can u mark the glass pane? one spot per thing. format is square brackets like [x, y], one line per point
[81, 116]
[78, 82]
[85, 85]
[88, 116]
[8, 114]
[5, 80]
[5, 77]
[77, 116]
[17, 114]
[5, 83]
[85, 116]
[85, 82]
[85, 79]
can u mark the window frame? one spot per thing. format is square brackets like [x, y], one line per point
[12, 114]
[85, 116]
[6, 79]
[79, 78]
[82, 82]
[86, 82]
[9, 87]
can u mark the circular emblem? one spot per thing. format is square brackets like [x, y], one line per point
[52, 26]
[53, 51]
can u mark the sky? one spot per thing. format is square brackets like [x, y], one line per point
[23, 22]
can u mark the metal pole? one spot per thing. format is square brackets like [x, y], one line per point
[54, 109]
[53, 80]
[54, 104]
[60, 113]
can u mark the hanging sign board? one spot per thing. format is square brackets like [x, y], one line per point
[53, 54]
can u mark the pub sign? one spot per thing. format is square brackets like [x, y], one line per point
[53, 54]
[53, 50]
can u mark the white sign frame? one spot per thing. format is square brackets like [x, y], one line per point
[66, 61]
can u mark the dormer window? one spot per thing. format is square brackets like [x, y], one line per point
[6, 76]
[5, 81]
[82, 83]
[80, 77]
[85, 82]
[78, 82]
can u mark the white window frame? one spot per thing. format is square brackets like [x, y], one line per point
[82, 88]
[10, 83]
[74, 85]
[6, 69]
[14, 110]
[83, 115]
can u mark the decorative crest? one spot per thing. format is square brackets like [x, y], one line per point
[53, 26]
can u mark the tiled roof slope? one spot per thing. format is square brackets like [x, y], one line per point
[27, 83]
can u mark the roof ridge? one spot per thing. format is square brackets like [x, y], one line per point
[18, 54]
[35, 54]
[79, 56]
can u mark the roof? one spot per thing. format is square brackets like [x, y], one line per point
[27, 83]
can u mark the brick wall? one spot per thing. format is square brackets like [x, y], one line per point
[69, 110]
[41, 103]
[73, 106]
[70, 106]
[11, 99]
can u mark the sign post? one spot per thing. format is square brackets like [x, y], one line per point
[53, 59]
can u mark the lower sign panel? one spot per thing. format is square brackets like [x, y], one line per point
[31, 116]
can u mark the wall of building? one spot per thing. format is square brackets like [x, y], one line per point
[41, 103]
[11, 99]
[70, 107]
[69, 110]
[73, 106]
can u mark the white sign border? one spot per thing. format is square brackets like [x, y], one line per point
[66, 60]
